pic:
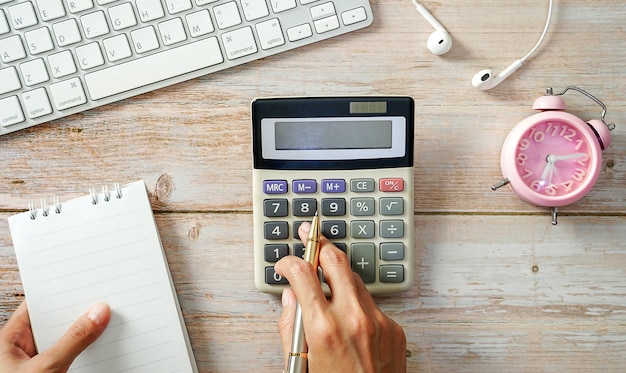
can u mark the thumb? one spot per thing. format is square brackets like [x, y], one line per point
[81, 334]
[285, 322]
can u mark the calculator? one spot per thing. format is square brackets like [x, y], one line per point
[348, 159]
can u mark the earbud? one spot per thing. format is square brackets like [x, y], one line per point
[439, 42]
[485, 79]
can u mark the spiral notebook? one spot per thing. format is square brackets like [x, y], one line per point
[103, 246]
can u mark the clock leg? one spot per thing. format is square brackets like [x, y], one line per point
[500, 184]
[554, 215]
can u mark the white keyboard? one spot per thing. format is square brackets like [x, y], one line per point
[60, 57]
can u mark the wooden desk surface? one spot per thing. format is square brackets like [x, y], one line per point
[498, 288]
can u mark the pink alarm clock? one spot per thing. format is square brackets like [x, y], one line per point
[554, 158]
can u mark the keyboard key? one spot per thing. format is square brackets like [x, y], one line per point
[275, 208]
[299, 32]
[61, 64]
[36, 103]
[270, 34]
[67, 94]
[149, 10]
[94, 24]
[66, 32]
[77, 6]
[10, 111]
[11, 49]
[322, 11]
[22, 15]
[326, 24]
[227, 15]
[255, 9]
[39, 40]
[117, 48]
[392, 273]
[137, 73]
[199, 23]
[4, 24]
[353, 16]
[172, 31]
[239, 43]
[9, 80]
[34, 72]
[89, 56]
[144, 39]
[177, 6]
[50, 9]
[283, 5]
[122, 16]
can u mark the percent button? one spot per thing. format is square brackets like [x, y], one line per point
[391, 185]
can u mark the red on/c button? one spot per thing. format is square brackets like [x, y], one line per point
[391, 185]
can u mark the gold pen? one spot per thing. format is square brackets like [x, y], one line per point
[298, 356]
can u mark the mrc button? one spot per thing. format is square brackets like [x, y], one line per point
[274, 186]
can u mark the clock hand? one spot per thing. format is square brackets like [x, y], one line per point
[549, 167]
[569, 156]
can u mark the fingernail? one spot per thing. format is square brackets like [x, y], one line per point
[285, 299]
[306, 226]
[99, 313]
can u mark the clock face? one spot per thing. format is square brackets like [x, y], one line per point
[551, 160]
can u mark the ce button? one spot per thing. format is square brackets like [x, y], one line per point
[362, 185]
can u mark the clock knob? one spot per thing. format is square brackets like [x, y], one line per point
[549, 103]
[602, 132]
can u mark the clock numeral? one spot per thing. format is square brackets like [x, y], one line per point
[528, 173]
[567, 186]
[583, 161]
[569, 136]
[524, 144]
[538, 136]
[551, 190]
[521, 159]
[579, 143]
[579, 174]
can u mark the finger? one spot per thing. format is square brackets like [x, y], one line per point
[18, 330]
[365, 298]
[304, 282]
[336, 266]
[81, 334]
[286, 320]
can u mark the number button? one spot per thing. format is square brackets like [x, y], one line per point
[273, 278]
[276, 230]
[333, 206]
[304, 206]
[332, 229]
[275, 208]
[362, 206]
[362, 229]
[274, 253]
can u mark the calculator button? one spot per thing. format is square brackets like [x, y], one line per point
[298, 250]
[392, 273]
[362, 206]
[363, 261]
[333, 206]
[392, 251]
[275, 208]
[276, 230]
[304, 206]
[362, 185]
[274, 253]
[273, 278]
[392, 228]
[362, 229]
[304, 186]
[296, 227]
[391, 206]
[341, 246]
[332, 229]
[391, 185]
[333, 185]
[274, 186]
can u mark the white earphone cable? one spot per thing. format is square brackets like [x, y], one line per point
[543, 34]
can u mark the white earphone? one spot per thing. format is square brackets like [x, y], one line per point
[485, 79]
[439, 42]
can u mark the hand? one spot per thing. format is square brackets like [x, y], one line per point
[17, 347]
[347, 333]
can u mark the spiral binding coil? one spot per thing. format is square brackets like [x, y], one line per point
[45, 208]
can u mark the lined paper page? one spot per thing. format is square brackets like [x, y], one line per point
[107, 252]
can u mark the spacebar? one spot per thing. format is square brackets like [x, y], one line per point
[153, 68]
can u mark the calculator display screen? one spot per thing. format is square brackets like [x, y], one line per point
[361, 134]
[339, 138]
